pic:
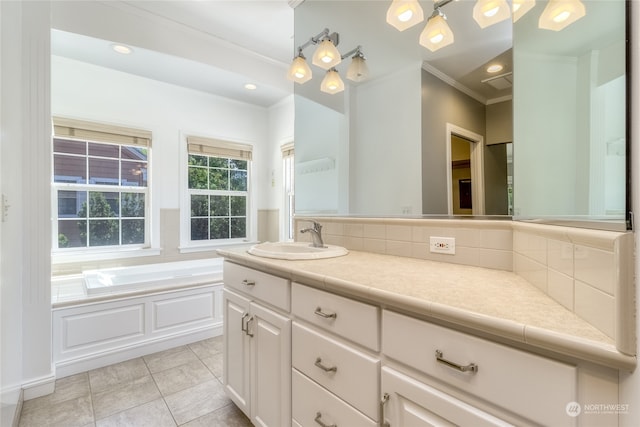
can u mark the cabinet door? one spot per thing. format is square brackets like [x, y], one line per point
[412, 403]
[236, 350]
[270, 367]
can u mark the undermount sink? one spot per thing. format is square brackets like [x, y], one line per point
[296, 251]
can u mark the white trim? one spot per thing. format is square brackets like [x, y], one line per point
[87, 255]
[38, 387]
[455, 84]
[477, 167]
[96, 360]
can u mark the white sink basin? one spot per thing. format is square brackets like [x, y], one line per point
[296, 251]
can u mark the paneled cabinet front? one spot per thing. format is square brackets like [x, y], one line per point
[257, 356]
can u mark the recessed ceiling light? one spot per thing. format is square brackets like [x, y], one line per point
[250, 86]
[120, 48]
[494, 68]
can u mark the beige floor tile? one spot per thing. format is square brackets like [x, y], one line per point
[169, 358]
[194, 402]
[67, 388]
[214, 363]
[70, 413]
[120, 373]
[207, 348]
[229, 416]
[181, 377]
[125, 396]
[152, 414]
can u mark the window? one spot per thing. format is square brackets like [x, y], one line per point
[289, 199]
[218, 189]
[100, 185]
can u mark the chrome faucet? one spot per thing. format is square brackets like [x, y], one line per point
[316, 234]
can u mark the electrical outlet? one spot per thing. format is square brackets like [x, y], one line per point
[442, 245]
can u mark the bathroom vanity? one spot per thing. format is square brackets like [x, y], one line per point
[368, 339]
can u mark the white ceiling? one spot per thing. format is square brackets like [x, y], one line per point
[219, 45]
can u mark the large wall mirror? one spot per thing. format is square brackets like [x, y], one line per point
[437, 134]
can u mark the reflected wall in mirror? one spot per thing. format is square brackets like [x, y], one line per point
[387, 136]
[570, 154]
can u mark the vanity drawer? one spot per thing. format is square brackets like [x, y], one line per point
[313, 405]
[261, 286]
[346, 372]
[506, 377]
[350, 319]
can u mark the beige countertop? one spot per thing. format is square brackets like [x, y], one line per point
[492, 302]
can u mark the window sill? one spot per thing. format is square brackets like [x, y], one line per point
[71, 257]
[213, 247]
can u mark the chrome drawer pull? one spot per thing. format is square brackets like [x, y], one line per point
[325, 368]
[248, 282]
[318, 419]
[244, 328]
[383, 403]
[320, 313]
[471, 367]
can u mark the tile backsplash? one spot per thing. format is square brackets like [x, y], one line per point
[590, 272]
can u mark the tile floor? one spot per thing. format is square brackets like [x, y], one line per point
[177, 387]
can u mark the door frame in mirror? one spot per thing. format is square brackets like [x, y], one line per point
[477, 167]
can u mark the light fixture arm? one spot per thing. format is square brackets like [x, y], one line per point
[439, 4]
[324, 34]
[357, 51]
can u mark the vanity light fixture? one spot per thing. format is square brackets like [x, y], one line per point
[520, 7]
[332, 83]
[299, 71]
[327, 57]
[358, 69]
[437, 34]
[489, 12]
[559, 14]
[403, 14]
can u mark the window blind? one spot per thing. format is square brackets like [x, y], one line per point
[80, 129]
[217, 147]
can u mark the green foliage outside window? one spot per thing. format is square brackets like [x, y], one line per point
[221, 213]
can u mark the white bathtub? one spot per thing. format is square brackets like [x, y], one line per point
[153, 276]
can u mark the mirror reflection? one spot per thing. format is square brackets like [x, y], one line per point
[416, 101]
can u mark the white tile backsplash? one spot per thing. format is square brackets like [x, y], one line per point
[595, 267]
[596, 307]
[579, 268]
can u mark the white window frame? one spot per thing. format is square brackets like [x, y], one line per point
[231, 148]
[288, 187]
[80, 130]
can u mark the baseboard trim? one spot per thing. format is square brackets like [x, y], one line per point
[38, 387]
[65, 368]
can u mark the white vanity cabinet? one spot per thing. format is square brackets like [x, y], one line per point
[303, 356]
[257, 345]
[336, 366]
[504, 377]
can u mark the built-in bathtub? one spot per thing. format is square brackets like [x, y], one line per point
[128, 312]
[152, 276]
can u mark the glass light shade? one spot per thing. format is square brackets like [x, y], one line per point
[403, 14]
[358, 70]
[559, 14]
[436, 34]
[520, 7]
[489, 12]
[332, 83]
[326, 55]
[299, 71]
